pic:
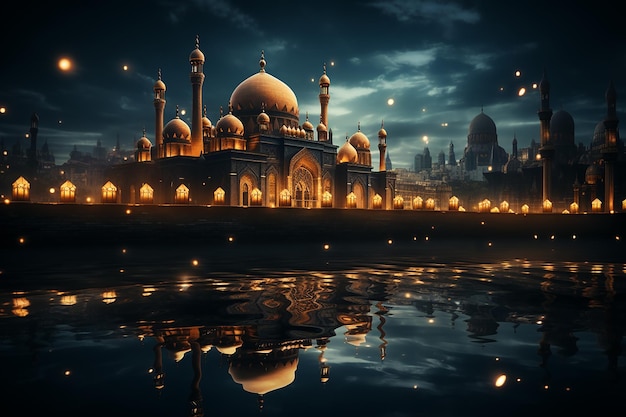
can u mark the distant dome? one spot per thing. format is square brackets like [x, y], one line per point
[359, 140]
[593, 174]
[562, 122]
[206, 122]
[482, 125]
[177, 129]
[159, 85]
[196, 55]
[598, 136]
[307, 125]
[263, 91]
[347, 153]
[229, 125]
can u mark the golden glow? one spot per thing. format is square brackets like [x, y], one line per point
[68, 300]
[327, 199]
[525, 209]
[418, 203]
[484, 206]
[218, 196]
[21, 189]
[128, 211]
[125, 67]
[500, 380]
[65, 64]
[326, 246]
[195, 262]
[3, 110]
[398, 203]
[7, 201]
[518, 73]
[504, 206]
[109, 297]
[21, 240]
[377, 201]
[351, 200]
[390, 102]
[521, 91]
[284, 198]
[425, 139]
[596, 205]
[453, 203]
[231, 239]
[547, 206]
[389, 241]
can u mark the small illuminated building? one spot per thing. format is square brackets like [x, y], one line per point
[109, 193]
[21, 190]
[67, 192]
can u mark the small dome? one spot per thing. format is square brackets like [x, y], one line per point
[593, 174]
[321, 127]
[229, 125]
[307, 125]
[196, 55]
[482, 124]
[263, 118]
[143, 143]
[347, 153]
[159, 85]
[177, 129]
[382, 133]
[206, 122]
[324, 80]
[359, 140]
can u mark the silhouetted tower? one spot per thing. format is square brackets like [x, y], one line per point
[159, 108]
[324, 97]
[451, 156]
[32, 152]
[609, 151]
[546, 150]
[382, 147]
[196, 59]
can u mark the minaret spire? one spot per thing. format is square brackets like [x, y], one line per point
[196, 60]
[324, 98]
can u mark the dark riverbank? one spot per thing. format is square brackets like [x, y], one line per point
[75, 224]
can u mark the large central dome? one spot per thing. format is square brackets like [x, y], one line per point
[263, 91]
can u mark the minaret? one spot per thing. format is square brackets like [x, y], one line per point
[32, 152]
[196, 59]
[609, 151]
[159, 108]
[546, 150]
[324, 98]
[382, 147]
[451, 155]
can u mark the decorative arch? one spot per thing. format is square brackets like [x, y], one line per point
[305, 179]
[272, 187]
[247, 183]
[360, 191]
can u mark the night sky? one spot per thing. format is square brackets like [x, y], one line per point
[440, 61]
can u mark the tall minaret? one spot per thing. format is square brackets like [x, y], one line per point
[546, 150]
[159, 108]
[32, 152]
[382, 147]
[196, 59]
[609, 151]
[324, 99]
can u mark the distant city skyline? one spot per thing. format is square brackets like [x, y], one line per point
[441, 64]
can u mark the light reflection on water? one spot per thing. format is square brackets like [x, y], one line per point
[288, 331]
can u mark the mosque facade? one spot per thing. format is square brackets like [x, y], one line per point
[258, 153]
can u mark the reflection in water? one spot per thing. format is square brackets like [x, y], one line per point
[403, 336]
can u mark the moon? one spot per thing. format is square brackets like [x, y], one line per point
[390, 101]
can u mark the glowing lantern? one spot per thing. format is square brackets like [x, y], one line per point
[377, 202]
[547, 206]
[453, 203]
[398, 203]
[218, 196]
[68, 192]
[146, 194]
[596, 205]
[573, 208]
[284, 198]
[327, 199]
[109, 193]
[418, 203]
[351, 200]
[504, 207]
[182, 194]
[484, 206]
[525, 209]
[430, 204]
[623, 205]
[21, 190]
[257, 197]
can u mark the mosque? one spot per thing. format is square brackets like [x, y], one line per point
[258, 153]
